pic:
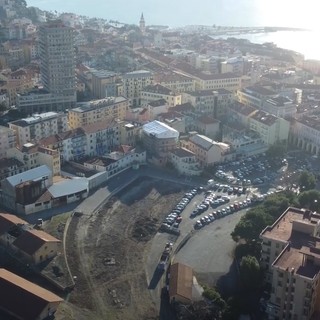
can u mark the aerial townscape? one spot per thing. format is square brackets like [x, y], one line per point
[149, 172]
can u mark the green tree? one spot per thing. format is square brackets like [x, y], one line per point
[250, 225]
[213, 295]
[276, 150]
[307, 181]
[310, 199]
[250, 272]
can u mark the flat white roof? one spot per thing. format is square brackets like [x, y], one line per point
[160, 130]
[68, 186]
[40, 117]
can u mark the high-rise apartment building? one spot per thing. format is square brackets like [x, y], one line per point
[57, 56]
[291, 258]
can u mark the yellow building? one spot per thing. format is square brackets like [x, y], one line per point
[37, 246]
[98, 110]
[228, 81]
[291, 258]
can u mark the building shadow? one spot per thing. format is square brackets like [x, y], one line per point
[166, 310]
[157, 274]
[228, 283]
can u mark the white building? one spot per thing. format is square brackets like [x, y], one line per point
[117, 161]
[39, 126]
[185, 162]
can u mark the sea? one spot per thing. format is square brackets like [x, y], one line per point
[178, 13]
[305, 42]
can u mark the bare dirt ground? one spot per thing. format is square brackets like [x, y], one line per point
[107, 252]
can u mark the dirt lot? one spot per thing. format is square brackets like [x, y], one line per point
[107, 252]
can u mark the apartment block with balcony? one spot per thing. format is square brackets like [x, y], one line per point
[291, 257]
[7, 140]
[156, 92]
[133, 83]
[94, 139]
[39, 126]
[94, 111]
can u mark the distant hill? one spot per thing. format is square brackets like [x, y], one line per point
[20, 9]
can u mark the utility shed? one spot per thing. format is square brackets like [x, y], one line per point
[180, 283]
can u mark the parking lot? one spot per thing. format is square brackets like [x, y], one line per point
[210, 249]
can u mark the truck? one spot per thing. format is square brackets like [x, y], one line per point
[165, 256]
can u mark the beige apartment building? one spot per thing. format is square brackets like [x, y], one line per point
[270, 128]
[175, 82]
[208, 152]
[157, 92]
[291, 258]
[98, 110]
[33, 156]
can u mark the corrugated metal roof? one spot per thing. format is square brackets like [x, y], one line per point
[69, 186]
[30, 175]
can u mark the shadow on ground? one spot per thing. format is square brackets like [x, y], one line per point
[228, 283]
[157, 274]
[166, 310]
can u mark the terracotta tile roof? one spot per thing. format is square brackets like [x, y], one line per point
[181, 281]
[7, 221]
[125, 148]
[32, 240]
[99, 126]
[22, 298]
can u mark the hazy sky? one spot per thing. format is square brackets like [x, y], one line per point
[292, 13]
